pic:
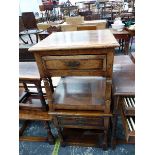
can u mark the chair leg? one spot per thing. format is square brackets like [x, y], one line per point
[105, 144]
[25, 42]
[106, 128]
[30, 38]
[59, 131]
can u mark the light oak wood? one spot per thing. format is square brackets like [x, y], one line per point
[82, 53]
[77, 40]
[86, 27]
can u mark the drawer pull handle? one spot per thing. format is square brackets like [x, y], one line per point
[72, 64]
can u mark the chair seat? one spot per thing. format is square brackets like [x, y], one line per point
[30, 31]
[80, 93]
[28, 71]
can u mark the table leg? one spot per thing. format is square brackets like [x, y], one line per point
[37, 38]
[126, 46]
[114, 121]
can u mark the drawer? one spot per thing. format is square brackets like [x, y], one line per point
[75, 122]
[77, 62]
[129, 127]
[128, 104]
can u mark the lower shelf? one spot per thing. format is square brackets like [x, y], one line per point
[83, 137]
[129, 127]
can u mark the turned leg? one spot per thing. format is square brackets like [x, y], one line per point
[114, 121]
[106, 129]
[49, 134]
[114, 127]
[126, 46]
[40, 93]
[51, 84]
[58, 130]
[105, 144]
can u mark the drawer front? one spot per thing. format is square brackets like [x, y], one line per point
[80, 121]
[78, 62]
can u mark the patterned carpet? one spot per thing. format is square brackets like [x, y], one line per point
[42, 148]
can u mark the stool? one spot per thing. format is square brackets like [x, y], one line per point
[32, 105]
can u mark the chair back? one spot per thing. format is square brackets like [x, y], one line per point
[29, 20]
[41, 8]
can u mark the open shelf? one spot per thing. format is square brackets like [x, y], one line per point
[129, 126]
[128, 105]
[83, 137]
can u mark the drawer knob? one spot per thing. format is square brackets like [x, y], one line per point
[72, 64]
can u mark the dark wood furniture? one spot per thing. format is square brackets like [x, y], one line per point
[24, 55]
[80, 105]
[123, 94]
[32, 105]
[132, 35]
[30, 25]
[123, 36]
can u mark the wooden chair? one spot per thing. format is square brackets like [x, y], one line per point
[32, 105]
[86, 27]
[30, 25]
[29, 20]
